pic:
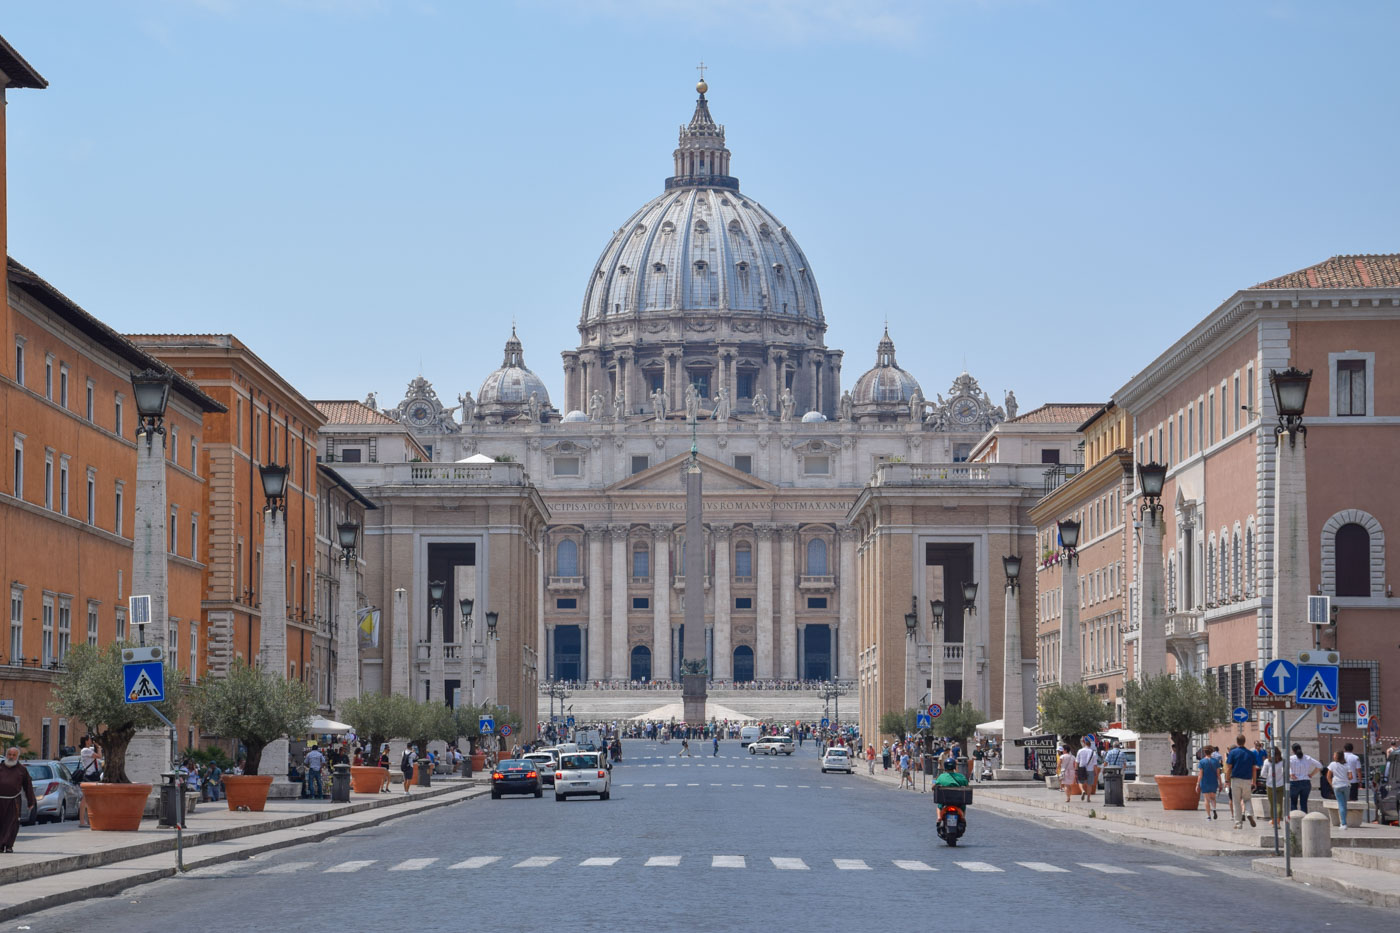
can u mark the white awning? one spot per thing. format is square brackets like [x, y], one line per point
[321, 725]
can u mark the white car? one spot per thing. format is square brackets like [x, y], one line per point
[582, 773]
[838, 759]
[772, 745]
[545, 762]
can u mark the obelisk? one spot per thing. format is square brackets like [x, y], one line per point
[694, 669]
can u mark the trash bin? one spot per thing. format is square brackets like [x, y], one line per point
[172, 799]
[340, 784]
[930, 765]
[1113, 787]
[425, 773]
[466, 766]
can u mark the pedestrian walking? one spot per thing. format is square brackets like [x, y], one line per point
[1208, 781]
[715, 752]
[1275, 776]
[1358, 773]
[977, 755]
[1301, 770]
[906, 779]
[406, 766]
[885, 754]
[870, 758]
[14, 780]
[1069, 769]
[1086, 770]
[315, 761]
[685, 749]
[1340, 777]
[1241, 769]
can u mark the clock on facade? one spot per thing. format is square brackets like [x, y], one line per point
[966, 410]
[420, 415]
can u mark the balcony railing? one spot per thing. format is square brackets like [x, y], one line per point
[816, 581]
[565, 584]
[952, 652]
[1189, 624]
[678, 581]
[959, 474]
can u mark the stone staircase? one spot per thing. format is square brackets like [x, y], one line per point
[604, 705]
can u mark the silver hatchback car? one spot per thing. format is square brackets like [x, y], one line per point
[57, 794]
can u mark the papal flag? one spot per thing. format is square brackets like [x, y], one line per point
[369, 627]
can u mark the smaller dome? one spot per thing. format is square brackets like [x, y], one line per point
[812, 417]
[508, 390]
[575, 415]
[884, 388]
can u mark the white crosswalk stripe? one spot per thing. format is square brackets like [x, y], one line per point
[851, 864]
[1042, 866]
[286, 868]
[537, 861]
[477, 861]
[413, 864]
[728, 861]
[978, 866]
[351, 866]
[913, 865]
[599, 861]
[1178, 870]
[664, 861]
[789, 864]
[1108, 869]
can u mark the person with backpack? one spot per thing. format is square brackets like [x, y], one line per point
[406, 766]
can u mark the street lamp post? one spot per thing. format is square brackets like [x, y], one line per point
[347, 660]
[935, 652]
[1154, 751]
[493, 619]
[1071, 658]
[437, 669]
[1013, 695]
[911, 665]
[465, 605]
[272, 626]
[972, 644]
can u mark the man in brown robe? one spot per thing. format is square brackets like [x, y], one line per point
[14, 780]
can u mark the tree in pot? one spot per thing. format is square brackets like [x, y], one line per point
[1072, 712]
[92, 690]
[1179, 706]
[255, 707]
[958, 722]
[379, 717]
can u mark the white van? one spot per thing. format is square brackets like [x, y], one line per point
[748, 735]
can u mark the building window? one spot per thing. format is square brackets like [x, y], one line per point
[88, 401]
[48, 480]
[816, 557]
[48, 378]
[566, 466]
[656, 380]
[117, 520]
[1049, 456]
[92, 497]
[194, 455]
[1190, 428]
[1238, 403]
[92, 624]
[121, 625]
[816, 466]
[174, 529]
[63, 485]
[563, 603]
[1210, 427]
[194, 545]
[16, 626]
[743, 602]
[17, 488]
[743, 463]
[743, 562]
[641, 563]
[117, 415]
[816, 602]
[63, 385]
[1351, 388]
[566, 558]
[962, 451]
[19, 360]
[700, 378]
[350, 455]
[1353, 561]
[641, 602]
[194, 651]
[174, 646]
[46, 650]
[745, 383]
[639, 463]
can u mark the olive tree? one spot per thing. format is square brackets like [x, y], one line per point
[1071, 711]
[1179, 706]
[379, 717]
[254, 706]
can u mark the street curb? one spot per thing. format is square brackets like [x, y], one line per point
[166, 842]
[1352, 887]
[116, 886]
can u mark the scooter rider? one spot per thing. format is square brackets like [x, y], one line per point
[950, 776]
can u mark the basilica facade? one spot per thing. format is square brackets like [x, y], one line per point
[701, 324]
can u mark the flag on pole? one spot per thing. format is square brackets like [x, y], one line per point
[369, 627]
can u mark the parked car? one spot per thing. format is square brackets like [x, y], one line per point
[57, 794]
[582, 773]
[838, 759]
[515, 776]
[546, 761]
[772, 745]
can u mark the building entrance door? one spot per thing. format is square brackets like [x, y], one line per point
[641, 664]
[816, 655]
[743, 664]
[568, 653]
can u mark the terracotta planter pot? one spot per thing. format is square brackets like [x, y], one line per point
[116, 806]
[1178, 791]
[478, 761]
[247, 791]
[368, 780]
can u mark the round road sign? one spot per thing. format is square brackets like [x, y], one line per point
[935, 710]
[505, 730]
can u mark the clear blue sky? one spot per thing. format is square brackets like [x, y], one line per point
[1048, 191]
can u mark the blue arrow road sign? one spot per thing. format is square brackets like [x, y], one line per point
[144, 682]
[923, 721]
[1281, 677]
[1317, 685]
[486, 724]
[1240, 714]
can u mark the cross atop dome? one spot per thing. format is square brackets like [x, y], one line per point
[701, 158]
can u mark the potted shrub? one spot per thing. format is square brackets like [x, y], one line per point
[255, 707]
[958, 722]
[1071, 712]
[430, 721]
[377, 718]
[91, 690]
[1180, 707]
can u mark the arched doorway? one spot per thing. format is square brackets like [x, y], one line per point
[743, 664]
[641, 663]
[816, 652]
[568, 653]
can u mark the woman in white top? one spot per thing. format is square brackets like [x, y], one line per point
[1301, 770]
[1274, 774]
[1339, 773]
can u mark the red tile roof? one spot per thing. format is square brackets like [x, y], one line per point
[1072, 413]
[1378, 271]
[351, 413]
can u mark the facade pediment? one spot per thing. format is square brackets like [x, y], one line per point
[667, 477]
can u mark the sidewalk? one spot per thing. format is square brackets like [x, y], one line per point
[48, 869]
[1365, 862]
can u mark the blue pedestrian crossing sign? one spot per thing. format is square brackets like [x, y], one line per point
[569, 721]
[486, 724]
[144, 682]
[826, 723]
[923, 721]
[1280, 677]
[1240, 714]
[1317, 685]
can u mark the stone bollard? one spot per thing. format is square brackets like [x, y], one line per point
[1295, 830]
[1317, 836]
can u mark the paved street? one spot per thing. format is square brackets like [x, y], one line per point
[715, 843]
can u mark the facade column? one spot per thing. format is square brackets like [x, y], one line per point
[661, 601]
[1292, 568]
[1071, 648]
[723, 667]
[846, 600]
[1013, 697]
[597, 534]
[272, 628]
[347, 647]
[620, 572]
[787, 606]
[763, 641]
[1154, 751]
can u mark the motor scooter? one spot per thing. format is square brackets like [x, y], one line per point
[952, 803]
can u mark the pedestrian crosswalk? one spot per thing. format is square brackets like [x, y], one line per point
[953, 863]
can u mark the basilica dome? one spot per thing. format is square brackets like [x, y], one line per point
[507, 391]
[884, 388]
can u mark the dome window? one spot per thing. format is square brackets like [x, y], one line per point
[700, 265]
[668, 228]
[639, 229]
[623, 270]
[736, 228]
[658, 267]
[701, 226]
[778, 269]
[742, 266]
[764, 231]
